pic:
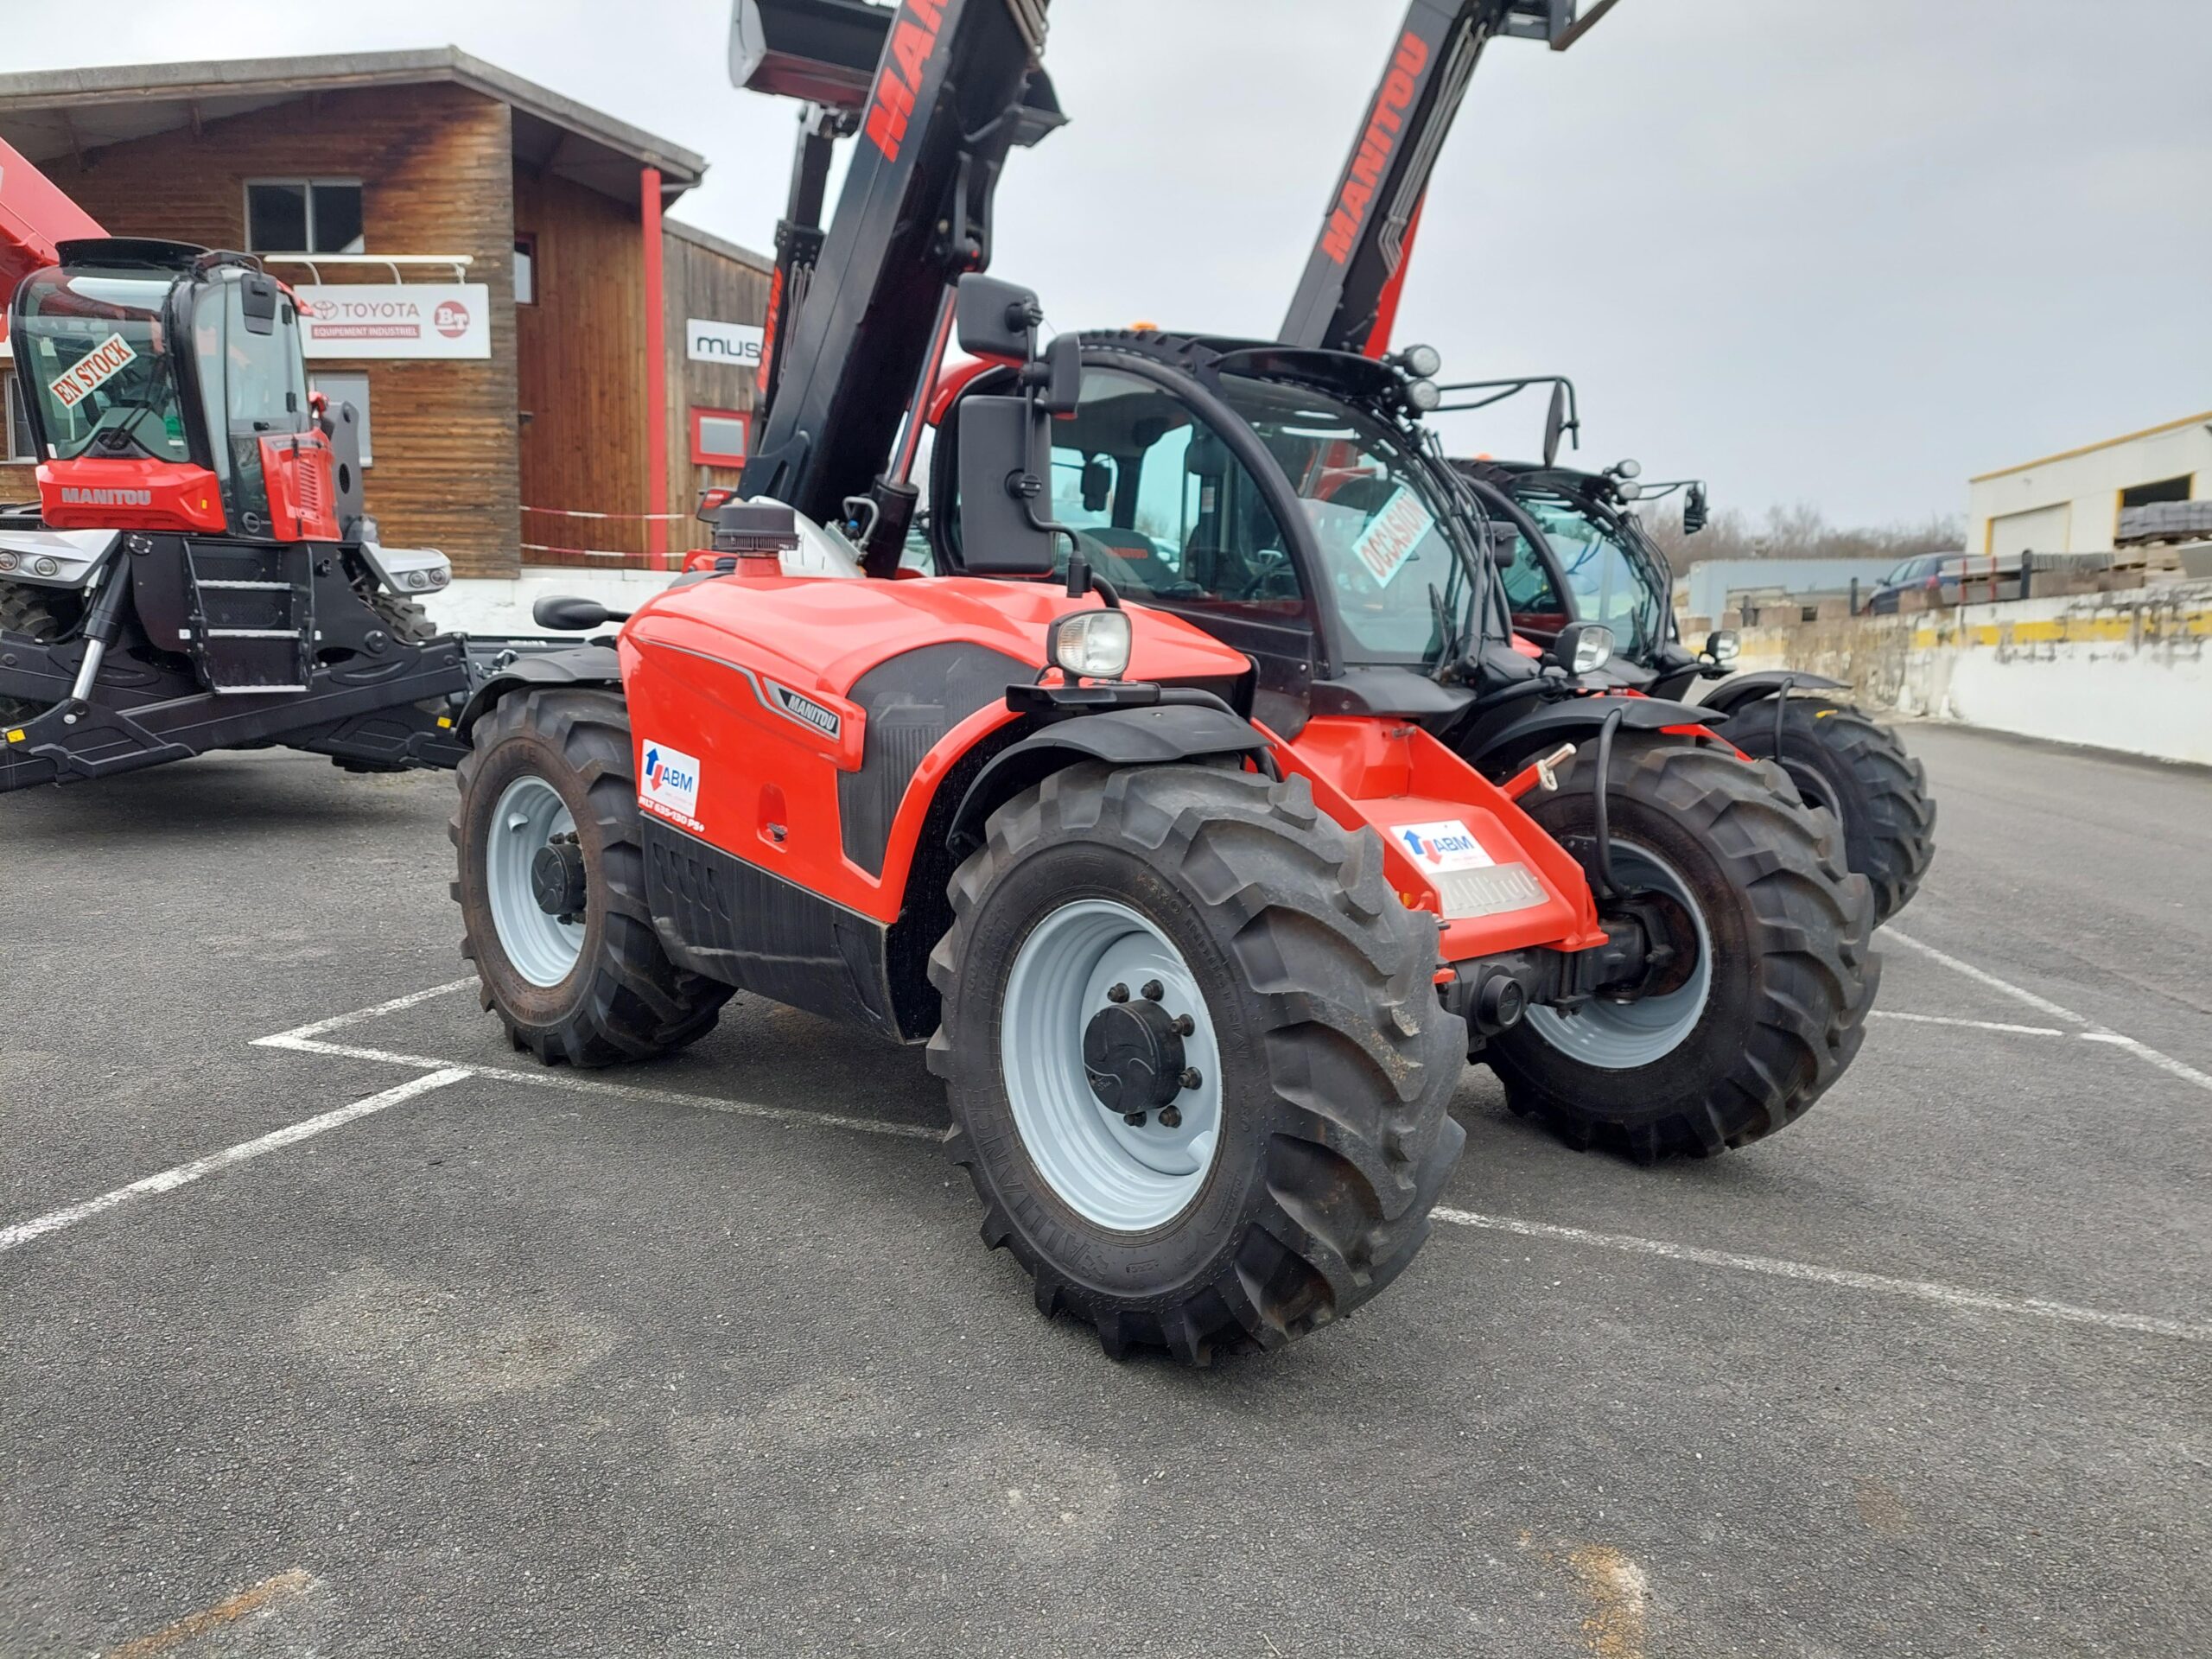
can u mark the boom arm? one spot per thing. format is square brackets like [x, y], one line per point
[36, 217]
[856, 339]
[1349, 295]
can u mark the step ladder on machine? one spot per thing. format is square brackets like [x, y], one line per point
[252, 617]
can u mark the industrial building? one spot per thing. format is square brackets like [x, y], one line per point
[549, 370]
[2071, 502]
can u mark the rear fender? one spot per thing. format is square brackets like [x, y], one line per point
[1514, 886]
[584, 665]
[1120, 737]
[1741, 689]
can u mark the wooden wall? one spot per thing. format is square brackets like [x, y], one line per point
[436, 165]
[700, 281]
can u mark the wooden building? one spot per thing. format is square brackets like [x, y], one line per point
[551, 370]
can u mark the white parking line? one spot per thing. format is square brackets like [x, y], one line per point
[579, 1084]
[1945, 1295]
[169, 1179]
[337, 1021]
[1970, 1025]
[2091, 1032]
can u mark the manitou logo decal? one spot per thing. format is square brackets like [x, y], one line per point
[805, 709]
[668, 784]
[900, 83]
[73, 497]
[1376, 145]
[91, 371]
[1442, 848]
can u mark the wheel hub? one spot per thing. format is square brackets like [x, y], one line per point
[556, 878]
[1133, 1054]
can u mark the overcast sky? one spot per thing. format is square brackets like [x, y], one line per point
[1839, 252]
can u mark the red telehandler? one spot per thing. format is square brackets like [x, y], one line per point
[1197, 920]
[198, 572]
[1833, 755]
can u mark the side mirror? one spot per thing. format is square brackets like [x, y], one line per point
[1505, 545]
[997, 319]
[1583, 647]
[1005, 451]
[564, 614]
[1555, 423]
[1062, 391]
[1696, 513]
[1097, 485]
[1722, 647]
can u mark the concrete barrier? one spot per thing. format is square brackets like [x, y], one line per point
[2129, 670]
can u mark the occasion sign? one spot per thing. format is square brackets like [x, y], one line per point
[358, 320]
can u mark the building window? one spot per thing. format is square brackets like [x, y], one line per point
[718, 437]
[526, 270]
[347, 387]
[2146, 495]
[303, 216]
[15, 425]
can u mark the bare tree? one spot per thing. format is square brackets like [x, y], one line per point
[1795, 532]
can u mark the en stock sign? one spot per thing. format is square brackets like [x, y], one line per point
[378, 320]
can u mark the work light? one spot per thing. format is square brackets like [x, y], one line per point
[1594, 648]
[1091, 645]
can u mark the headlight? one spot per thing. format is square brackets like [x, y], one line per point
[46, 566]
[1723, 646]
[1422, 362]
[1091, 645]
[7, 561]
[1423, 395]
[1594, 649]
[1628, 490]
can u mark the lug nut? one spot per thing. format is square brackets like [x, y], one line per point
[1134, 1120]
[1154, 990]
[1185, 1025]
[1171, 1118]
[1191, 1079]
[1117, 994]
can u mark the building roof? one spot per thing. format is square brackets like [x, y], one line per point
[50, 113]
[2203, 419]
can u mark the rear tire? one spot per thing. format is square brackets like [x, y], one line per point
[563, 762]
[1309, 980]
[1788, 972]
[1855, 767]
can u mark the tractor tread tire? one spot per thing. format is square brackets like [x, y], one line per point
[405, 619]
[1889, 821]
[1354, 1060]
[43, 614]
[1805, 922]
[634, 1003]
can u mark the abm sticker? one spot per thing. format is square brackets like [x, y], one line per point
[1443, 847]
[668, 780]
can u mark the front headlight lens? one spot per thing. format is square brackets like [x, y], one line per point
[1594, 649]
[1092, 645]
[1423, 395]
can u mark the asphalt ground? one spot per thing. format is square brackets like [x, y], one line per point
[705, 1356]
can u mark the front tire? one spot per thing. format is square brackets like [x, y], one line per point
[553, 774]
[1855, 767]
[1766, 1003]
[46, 614]
[1312, 1137]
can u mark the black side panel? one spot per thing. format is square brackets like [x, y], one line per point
[913, 700]
[719, 916]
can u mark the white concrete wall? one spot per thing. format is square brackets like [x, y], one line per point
[2129, 670]
[2083, 487]
[499, 605]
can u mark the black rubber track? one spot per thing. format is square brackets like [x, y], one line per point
[1880, 791]
[44, 613]
[1339, 1061]
[1794, 971]
[625, 1001]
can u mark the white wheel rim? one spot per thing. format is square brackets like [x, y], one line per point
[543, 948]
[1622, 1036]
[1126, 1177]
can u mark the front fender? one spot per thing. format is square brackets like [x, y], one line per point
[592, 664]
[1741, 689]
[1573, 718]
[1120, 737]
